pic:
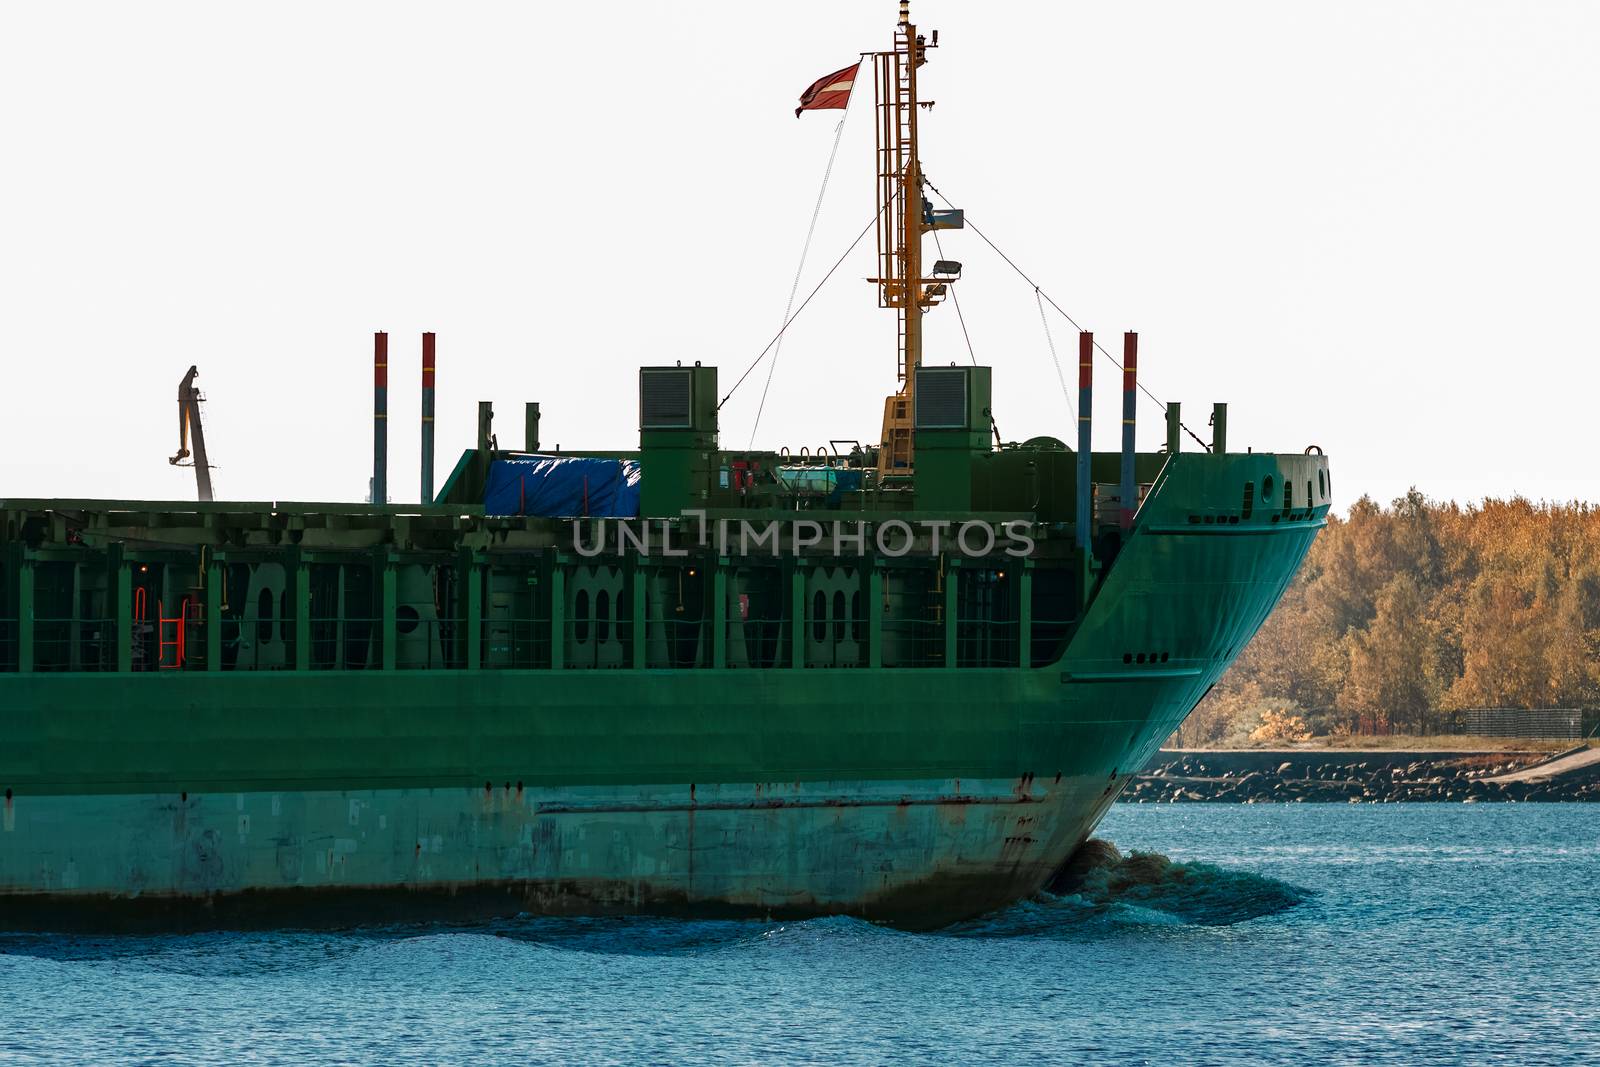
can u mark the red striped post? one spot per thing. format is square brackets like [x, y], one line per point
[1130, 387]
[427, 418]
[380, 418]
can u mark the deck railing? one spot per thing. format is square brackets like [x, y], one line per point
[494, 642]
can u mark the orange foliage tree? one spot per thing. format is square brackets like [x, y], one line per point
[1402, 615]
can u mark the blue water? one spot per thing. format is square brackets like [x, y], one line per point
[1304, 934]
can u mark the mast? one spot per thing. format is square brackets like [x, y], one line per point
[901, 224]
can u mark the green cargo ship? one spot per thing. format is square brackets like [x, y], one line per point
[902, 682]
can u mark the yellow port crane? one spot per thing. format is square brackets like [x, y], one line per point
[189, 426]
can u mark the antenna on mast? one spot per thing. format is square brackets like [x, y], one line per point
[903, 217]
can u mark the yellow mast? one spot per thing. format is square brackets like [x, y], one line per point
[900, 227]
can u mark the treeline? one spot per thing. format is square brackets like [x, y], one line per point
[1402, 615]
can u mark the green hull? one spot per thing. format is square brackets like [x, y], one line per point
[915, 796]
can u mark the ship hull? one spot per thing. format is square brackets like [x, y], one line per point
[915, 797]
[955, 793]
[919, 854]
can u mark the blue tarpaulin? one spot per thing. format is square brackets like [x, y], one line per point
[563, 486]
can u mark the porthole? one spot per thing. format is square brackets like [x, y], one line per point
[1266, 488]
[602, 616]
[838, 616]
[819, 617]
[406, 618]
[1322, 485]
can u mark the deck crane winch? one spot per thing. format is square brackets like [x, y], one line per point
[189, 425]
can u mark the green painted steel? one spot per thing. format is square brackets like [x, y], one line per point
[929, 781]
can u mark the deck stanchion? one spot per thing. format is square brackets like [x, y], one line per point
[470, 572]
[216, 577]
[1024, 613]
[874, 617]
[719, 613]
[388, 605]
[797, 615]
[637, 580]
[300, 576]
[25, 612]
[558, 614]
[952, 608]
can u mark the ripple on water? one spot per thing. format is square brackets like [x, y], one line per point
[1420, 936]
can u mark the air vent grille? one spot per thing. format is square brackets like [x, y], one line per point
[665, 398]
[941, 398]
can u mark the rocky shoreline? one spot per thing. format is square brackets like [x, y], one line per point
[1332, 776]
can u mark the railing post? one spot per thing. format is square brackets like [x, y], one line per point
[471, 584]
[558, 614]
[719, 613]
[797, 615]
[1024, 613]
[874, 617]
[389, 603]
[216, 579]
[952, 605]
[300, 577]
[122, 607]
[640, 578]
[25, 612]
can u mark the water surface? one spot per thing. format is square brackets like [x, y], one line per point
[1305, 933]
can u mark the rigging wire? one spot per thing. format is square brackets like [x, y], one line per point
[1054, 358]
[1046, 297]
[956, 302]
[788, 321]
[805, 250]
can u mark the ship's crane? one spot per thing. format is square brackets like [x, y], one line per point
[189, 426]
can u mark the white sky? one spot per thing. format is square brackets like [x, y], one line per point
[1371, 226]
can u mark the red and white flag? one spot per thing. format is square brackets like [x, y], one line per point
[832, 91]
